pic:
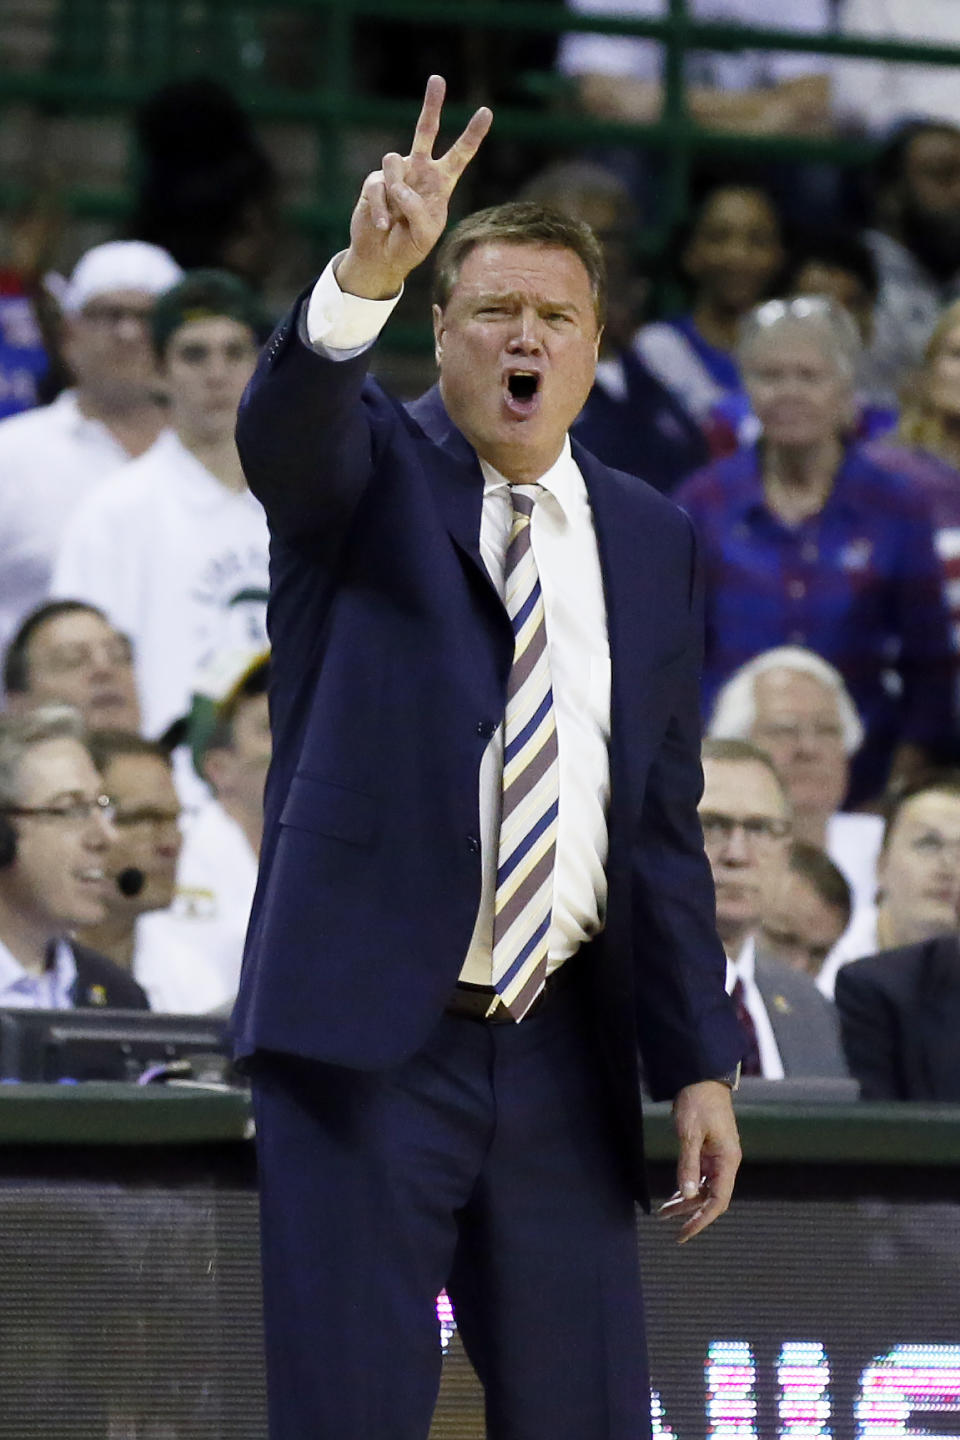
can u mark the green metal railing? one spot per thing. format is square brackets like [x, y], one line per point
[109, 55]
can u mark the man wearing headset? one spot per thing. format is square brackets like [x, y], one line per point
[55, 830]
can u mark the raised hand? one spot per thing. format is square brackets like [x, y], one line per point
[402, 209]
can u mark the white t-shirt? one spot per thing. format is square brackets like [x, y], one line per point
[859, 939]
[178, 562]
[631, 55]
[50, 460]
[877, 93]
[216, 877]
[177, 974]
[853, 844]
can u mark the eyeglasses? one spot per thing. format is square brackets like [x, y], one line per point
[76, 812]
[757, 829]
[65, 659]
[158, 819]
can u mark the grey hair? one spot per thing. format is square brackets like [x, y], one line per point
[735, 709]
[19, 733]
[817, 316]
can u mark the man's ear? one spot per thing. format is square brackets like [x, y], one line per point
[437, 333]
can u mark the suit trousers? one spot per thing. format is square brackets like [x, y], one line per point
[486, 1164]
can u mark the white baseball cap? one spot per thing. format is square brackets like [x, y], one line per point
[116, 265]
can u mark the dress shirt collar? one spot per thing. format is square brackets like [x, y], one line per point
[743, 967]
[51, 990]
[562, 482]
[744, 483]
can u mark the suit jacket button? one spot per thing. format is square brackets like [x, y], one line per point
[473, 844]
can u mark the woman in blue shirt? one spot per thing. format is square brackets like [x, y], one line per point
[808, 541]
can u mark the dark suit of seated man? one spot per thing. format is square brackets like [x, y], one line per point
[55, 830]
[483, 889]
[900, 1018]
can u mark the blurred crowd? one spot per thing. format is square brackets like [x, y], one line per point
[790, 374]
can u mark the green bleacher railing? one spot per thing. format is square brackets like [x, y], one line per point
[110, 54]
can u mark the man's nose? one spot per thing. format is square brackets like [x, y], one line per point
[527, 338]
[735, 850]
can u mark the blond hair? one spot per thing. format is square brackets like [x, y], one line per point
[921, 427]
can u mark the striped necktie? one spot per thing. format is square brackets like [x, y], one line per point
[523, 901]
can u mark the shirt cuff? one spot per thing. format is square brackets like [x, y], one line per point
[340, 325]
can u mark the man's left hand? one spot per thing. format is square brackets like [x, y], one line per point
[709, 1156]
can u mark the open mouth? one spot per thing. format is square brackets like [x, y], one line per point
[523, 387]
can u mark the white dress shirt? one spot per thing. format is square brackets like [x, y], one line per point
[565, 549]
[25, 990]
[743, 969]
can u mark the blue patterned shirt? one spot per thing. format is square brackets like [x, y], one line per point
[859, 583]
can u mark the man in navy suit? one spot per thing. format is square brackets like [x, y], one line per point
[483, 895]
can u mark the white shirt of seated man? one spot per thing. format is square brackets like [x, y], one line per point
[745, 816]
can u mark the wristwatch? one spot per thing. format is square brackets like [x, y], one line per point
[731, 1078]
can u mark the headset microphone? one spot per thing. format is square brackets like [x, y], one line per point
[131, 881]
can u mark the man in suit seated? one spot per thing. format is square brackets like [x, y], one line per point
[55, 832]
[789, 1028]
[900, 1009]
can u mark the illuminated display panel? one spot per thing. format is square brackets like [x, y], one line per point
[801, 1317]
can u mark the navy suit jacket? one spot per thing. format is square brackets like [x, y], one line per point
[391, 651]
[900, 1017]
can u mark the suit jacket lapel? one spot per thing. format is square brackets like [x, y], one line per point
[459, 490]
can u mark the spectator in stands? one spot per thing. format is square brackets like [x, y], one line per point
[807, 910]
[795, 706]
[875, 94]
[174, 547]
[218, 864]
[837, 264]
[808, 542]
[755, 91]
[55, 836]
[899, 1019]
[137, 930]
[731, 256]
[918, 877]
[926, 446]
[631, 421]
[67, 652]
[745, 814]
[52, 456]
[915, 241]
[206, 188]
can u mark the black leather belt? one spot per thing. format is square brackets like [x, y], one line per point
[481, 1002]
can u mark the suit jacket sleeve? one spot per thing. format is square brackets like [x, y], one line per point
[868, 1027]
[305, 436]
[686, 1023]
